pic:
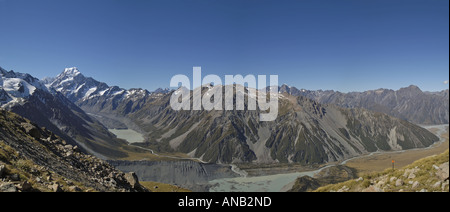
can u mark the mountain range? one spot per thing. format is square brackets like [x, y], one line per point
[410, 103]
[30, 98]
[306, 131]
[313, 127]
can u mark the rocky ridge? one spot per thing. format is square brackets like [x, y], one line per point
[409, 103]
[35, 159]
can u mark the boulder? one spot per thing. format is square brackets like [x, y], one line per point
[56, 188]
[74, 189]
[132, 178]
[444, 185]
[31, 130]
[399, 182]
[411, 173]
[344, 189]
[2, 170]
[68, 147]
[26, 186]
[442, 173]
[437, 184]
[69, 153]
[415, 185]
[7, 187]
[393, 179]
[14, 177]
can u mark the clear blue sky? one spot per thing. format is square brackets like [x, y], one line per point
[345, 45]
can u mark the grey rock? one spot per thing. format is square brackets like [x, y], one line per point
[2, 170]
[445, 185]
[32, 130]
[68, 147]
[69, 153]
[392, 179]
[399, 182]
[343, 189]
[411, 173]
[437, 184]
[415, 185]
[443, 172]
[56, 188]
[75, 189]
[132, 178]
[14, 177]
[7, 187]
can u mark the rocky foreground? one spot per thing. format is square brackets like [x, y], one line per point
[430, 174]
[33, 159]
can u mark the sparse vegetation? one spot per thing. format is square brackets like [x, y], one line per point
[33, 159]
[427, 174]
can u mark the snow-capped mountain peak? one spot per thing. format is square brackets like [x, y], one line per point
[73, 71]
[15, 87]
[19, 84]
[75, 86]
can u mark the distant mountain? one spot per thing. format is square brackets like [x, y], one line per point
[98, 98]
[410, 103]
[30, 98]
[305, 131]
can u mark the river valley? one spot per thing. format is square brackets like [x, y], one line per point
[199, 176]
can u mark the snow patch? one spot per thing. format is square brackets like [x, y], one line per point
[89, 92]
[18, 88]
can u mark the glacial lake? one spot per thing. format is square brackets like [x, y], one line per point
[268, 183]
[128, 135]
